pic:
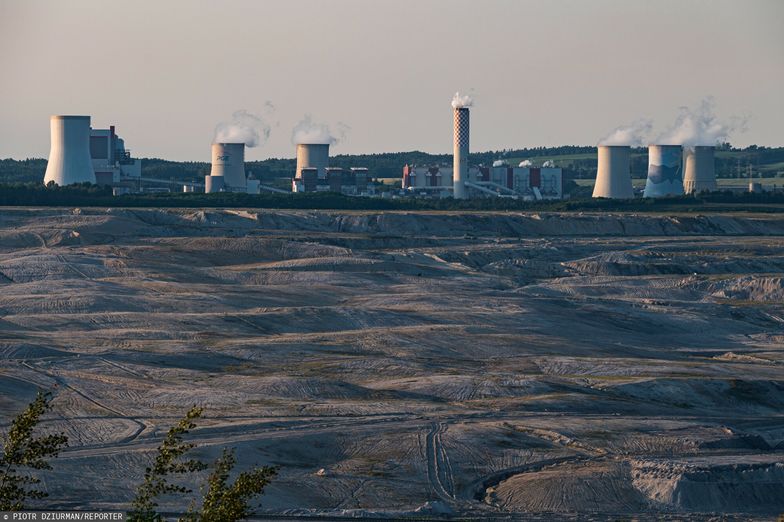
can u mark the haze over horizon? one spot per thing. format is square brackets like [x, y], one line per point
[541, 72]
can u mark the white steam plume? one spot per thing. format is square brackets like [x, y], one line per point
[244, 127]
[525, 163]
[499, 163]
[700, 126]
[633, 134]
[548, 163]
[309, 132]
[459, 101]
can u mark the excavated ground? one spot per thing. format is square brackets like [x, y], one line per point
[477, 364]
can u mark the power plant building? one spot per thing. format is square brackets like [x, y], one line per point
[664, 171]
[313, 156]
[613, 173]
[314, 174]
[699, 171]
[530, 183]
[82, 154]
[112, 162]
[354, 181]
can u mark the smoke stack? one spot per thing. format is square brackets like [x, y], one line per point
[613, 175]
[69, 155]
[699, 171]
[460, 166]
[228, 161]
[664, 171]
[312, 156]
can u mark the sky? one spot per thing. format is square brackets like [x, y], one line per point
[383, 72]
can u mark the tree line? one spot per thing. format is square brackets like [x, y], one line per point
[34, 194]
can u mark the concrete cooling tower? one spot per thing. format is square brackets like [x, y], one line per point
[228, 161]
[312, 156]
[613, 173]
[460, 166]
[69, 156]
[664, 171]
[213, 184]
[699, 171]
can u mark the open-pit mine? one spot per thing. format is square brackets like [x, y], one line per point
[482, 365]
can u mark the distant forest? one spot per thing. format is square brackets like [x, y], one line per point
[578, 162]
[35, 194]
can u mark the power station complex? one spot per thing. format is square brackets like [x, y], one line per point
[81, 154]
[673, 170]
[313, 173]
[528, 183]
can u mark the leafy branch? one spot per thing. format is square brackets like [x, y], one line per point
[21, 449]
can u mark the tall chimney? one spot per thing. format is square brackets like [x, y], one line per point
[460, 168]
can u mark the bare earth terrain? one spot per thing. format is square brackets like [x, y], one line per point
[483, 365]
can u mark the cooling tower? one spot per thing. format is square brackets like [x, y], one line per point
[699, 172]
[69, 156]
[213, 184]
[312, 156]
[460, 167]
[228, 160]
[613, 173]
[664, 171]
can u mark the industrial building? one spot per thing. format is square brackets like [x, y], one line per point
[112, 162]
[354, 181]
[314, 174]
[81, 154]
[462, 182]
[530, 183]
[227, 172]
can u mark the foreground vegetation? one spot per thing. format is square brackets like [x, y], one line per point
[25, 453]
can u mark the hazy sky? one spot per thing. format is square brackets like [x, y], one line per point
[542, 72]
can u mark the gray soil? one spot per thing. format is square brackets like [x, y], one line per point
[431, 364]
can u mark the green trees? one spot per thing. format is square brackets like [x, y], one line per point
[167, 462]
[222, 500]
[21, 449]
